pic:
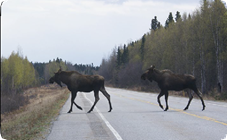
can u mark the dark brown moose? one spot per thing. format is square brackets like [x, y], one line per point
[84, 83]
[167, 80]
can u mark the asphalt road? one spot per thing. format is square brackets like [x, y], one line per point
[137, 116]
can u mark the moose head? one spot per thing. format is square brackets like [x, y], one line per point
[148, 74]
[55, 78]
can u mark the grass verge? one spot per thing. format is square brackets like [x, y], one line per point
[30, 121]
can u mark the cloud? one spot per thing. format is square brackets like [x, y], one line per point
[136, 8]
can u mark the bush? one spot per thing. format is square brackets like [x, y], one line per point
[12, 102]
[222, 96]
[129, 76]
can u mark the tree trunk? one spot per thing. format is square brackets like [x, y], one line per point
[215, 23]
[203, 69]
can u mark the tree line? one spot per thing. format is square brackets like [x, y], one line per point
[195, 44]
[46, 70]
[17, 73]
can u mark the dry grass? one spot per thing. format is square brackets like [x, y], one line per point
[31, 120]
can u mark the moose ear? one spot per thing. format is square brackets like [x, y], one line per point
[152, 66]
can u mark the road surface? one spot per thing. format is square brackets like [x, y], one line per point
[137, 116]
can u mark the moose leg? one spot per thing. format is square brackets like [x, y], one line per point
[190, 99]
[159, 96]
[200, 96]
[73, 96]
[96, 92]
[103, 90]
[78, 106]
[166, 99]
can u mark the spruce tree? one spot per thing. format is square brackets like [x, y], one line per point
[142, 47]
[155, 24]
[125, 55]
[169, 20]
[178, 17]
[119, 57]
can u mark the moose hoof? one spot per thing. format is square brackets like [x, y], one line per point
[185, 109]
[166, 109]
[90, 111]
[69, 111]
[203, 108]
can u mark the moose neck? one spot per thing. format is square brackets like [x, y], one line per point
[157, 75]
[65, 77]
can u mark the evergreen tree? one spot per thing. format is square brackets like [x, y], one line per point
[125, 55]
[142, 47]
[119, 57]
[155, 24]
[189, 17]
[169, 20]
[178, 17]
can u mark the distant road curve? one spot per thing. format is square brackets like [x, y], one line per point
[137, 116]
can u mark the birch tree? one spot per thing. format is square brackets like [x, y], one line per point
[218, 25]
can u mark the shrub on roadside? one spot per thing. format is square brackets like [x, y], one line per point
[12, 102]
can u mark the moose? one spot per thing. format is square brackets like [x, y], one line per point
[84, 83]
[167, 80]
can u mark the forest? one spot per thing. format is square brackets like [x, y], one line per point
[194, 43]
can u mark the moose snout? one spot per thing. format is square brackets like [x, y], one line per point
[51, 81]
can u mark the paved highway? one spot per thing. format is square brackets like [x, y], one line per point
[137, 116]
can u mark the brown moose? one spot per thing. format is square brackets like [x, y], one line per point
[167, 80]
[84, 83]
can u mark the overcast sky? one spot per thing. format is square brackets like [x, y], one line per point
[80, 31]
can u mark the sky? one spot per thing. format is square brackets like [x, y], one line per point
[80, 31]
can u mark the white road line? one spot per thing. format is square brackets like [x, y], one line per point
[115, 133]
[217, 104]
